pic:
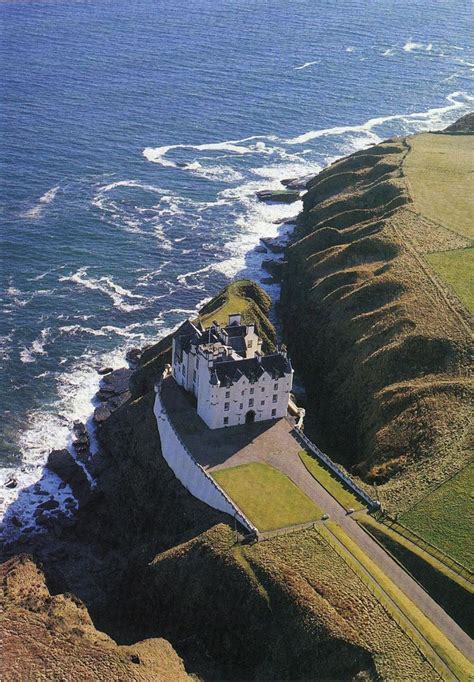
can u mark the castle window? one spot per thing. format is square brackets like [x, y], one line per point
[243, 393]
[275, 398]
[241, 406]
[227, 394]
[275, 387]
[274, 413]
[194, 375]
[263, 389]
[226, 406]
[184, 371]
[226, 421]
[252, 391]
[197, 363]
[262, 402]
[251, 402]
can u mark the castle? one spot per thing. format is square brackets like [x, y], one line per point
[231, 379]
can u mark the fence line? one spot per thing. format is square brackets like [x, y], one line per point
[427, 547]
[372, 504]
[210, 479]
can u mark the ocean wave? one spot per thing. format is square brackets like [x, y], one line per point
[27, 355]
[420, 120]
[306, 65]
[47, 198]
[411, 46]
[106, 286]
[158, 154]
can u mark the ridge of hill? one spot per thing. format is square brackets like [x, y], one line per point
[382, 341]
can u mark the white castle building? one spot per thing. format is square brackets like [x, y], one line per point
[225, 369]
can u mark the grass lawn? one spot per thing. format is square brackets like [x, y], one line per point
[443, 194]
[457, 269]
[266, 496]
[332, 484]
[445, 517]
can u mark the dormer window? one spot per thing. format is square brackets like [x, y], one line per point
[249, 344]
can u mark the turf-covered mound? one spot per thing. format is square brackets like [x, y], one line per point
[381, 344]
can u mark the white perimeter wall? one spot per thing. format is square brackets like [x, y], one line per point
[189, 472]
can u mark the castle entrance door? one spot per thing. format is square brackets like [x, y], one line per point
[250, 417]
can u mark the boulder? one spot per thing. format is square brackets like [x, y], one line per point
[132, 356]
[276, 245]
[117, 381]
[63, 464]
[278, 196]
[48, 505]
[117, 401]
[105, 370]
[103, 395]
[260, 249]
[11, 482]
[297, 183]
[101, 413]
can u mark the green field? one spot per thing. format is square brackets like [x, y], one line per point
[327, 479]
[445, 517]
[444, 194]
[453, 592]
[266, 496]
[457, 269]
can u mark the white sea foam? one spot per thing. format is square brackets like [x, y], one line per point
[421, 120]
[107, 286]
[28, 355]
[158, 154]
[47, 198]
[389, 52]
[411, 46]
[306, 65]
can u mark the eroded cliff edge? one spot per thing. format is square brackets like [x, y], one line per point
[383, 345]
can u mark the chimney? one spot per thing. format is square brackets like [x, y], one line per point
[235, 319]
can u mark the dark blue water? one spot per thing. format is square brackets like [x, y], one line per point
[134, 136]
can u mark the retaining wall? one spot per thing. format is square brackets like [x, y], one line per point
[191, 474]
[304, 440]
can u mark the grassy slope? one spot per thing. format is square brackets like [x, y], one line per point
[314, 617]
[266, 496]
[383, 351]
[242, 296]
[448, 589]
[329, 481]
[445, 517]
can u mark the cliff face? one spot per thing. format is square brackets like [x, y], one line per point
[48, 637]
[382, 348]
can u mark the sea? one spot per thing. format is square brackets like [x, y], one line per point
[133, 139]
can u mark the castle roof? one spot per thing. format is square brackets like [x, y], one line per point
[230, 371]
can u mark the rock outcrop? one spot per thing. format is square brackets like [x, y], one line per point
[47, 637]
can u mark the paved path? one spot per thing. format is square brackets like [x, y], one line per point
[272, 442]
